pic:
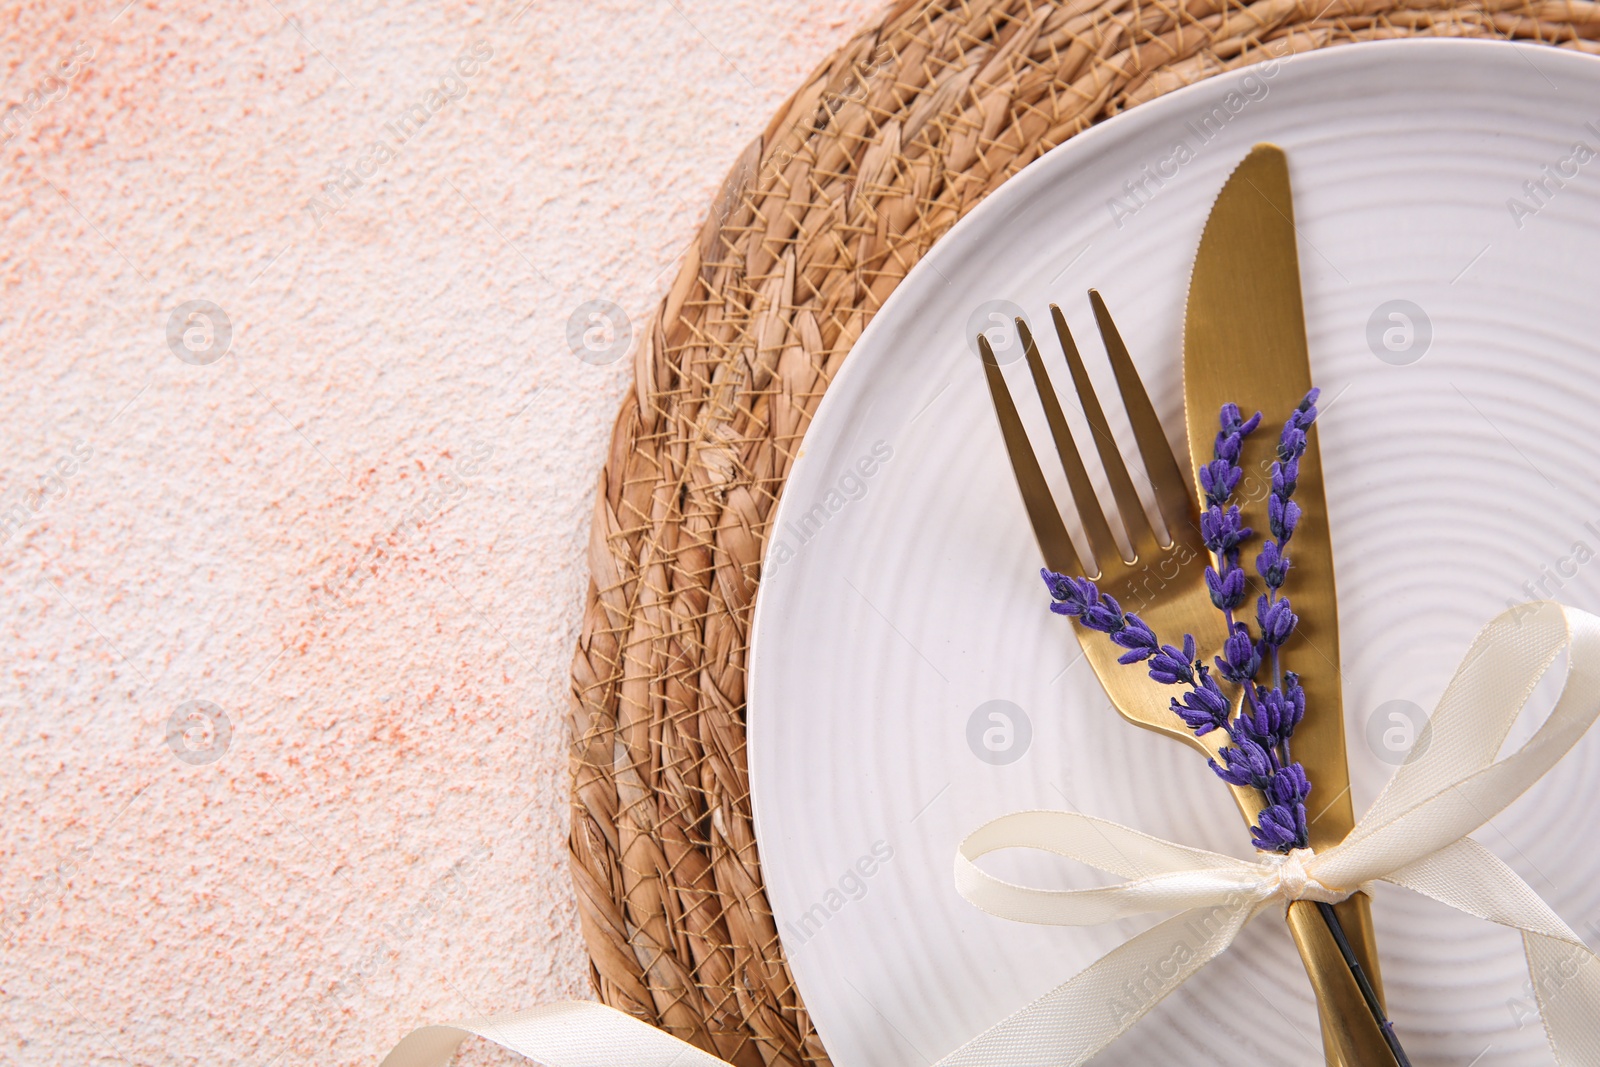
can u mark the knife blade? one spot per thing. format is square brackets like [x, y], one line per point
[1245, 341]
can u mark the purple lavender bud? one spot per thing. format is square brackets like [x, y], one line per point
[1268, 719]
[1171, 665]
[1274, 715]
[1283, 515]
[1253, 725]
[1228, 419]
[1296, 698]
[1256, 720]
[1289, 786]
[1271, 564]
[1217, 480]
[1103, 614]
[1240, 659]
[1198, 719]
[1280, 829]
[1227, 447]
[1060, 586]
[1302, 833]
[1072, 595]
[1203, 708]
[1292, 444]
[1276, 620]
[1227, 591]
[1136, 637]
[1082, 599]
[1285, 476]
[1222, 528]
[1244, 764]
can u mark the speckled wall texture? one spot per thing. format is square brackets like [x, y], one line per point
[297, 456]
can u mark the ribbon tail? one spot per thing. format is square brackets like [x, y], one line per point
[1086, 1013]
[1566, 982]
[571, 1034]
[1470, 878]
[1565, 973]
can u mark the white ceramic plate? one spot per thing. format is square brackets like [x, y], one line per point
[901, 593]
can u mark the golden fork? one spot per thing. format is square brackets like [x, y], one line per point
[1161, 578]
[1164, 580]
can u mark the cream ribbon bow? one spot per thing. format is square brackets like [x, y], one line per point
[1414, 835]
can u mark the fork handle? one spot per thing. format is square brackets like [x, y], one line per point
[1350, 1034]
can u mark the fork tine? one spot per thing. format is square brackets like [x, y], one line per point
[1134, 520]
[1090, 514]
[1174, 495]
[1048, 529]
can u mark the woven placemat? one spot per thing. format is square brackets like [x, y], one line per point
[891, 141]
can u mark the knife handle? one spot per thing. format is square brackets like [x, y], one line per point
[1350, 1035]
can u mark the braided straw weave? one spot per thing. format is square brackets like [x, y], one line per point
[890, 142]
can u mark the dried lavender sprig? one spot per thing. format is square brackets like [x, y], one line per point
[1266, 730]
[1274, 614]
[1283, 514]
[1259, 757]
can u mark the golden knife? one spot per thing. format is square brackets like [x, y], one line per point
[1245, 341]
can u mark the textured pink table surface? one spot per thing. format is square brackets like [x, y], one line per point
[350, 518]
